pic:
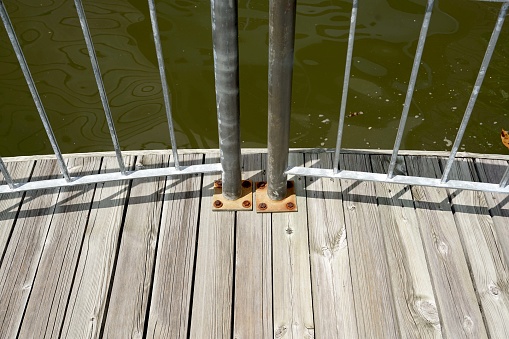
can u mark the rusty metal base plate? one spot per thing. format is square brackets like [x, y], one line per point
[265, 205]
[244, 203]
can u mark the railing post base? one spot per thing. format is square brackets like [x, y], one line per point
[243, 203]
[265, 204]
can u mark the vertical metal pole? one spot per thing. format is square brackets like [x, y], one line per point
[6, 174]
[33, 90]
[410, 89]
[346, 81]
[164, 83]
[281, 45]
[100, 84]
[477, 87]
[226, 71]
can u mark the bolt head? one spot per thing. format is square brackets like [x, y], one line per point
[218, 183]
[246, 204]
[262, 206]
[246, 184]
[261, 184]
[290, 205]
[218, 204]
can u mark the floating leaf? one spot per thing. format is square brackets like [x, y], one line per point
[505, 138]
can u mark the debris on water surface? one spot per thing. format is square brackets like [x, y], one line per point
[353, 114]
[505, 138]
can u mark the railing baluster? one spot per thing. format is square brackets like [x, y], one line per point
[33, 90]
[505, 178]
[411, 87]
[477, 87]
[6, 174]
[346, 82]
[164, 83]
[100, 83]
[281, 44]
[226, 72]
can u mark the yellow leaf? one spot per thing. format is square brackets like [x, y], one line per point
[505, 138]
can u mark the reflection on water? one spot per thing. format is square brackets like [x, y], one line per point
[386, 35]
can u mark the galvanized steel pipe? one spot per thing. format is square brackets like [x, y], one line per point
[346, 82]
[477, 87]
[100, 84]
[164, 83]
[226, 71]
[281, 45]
[33, 90]
[5, 172]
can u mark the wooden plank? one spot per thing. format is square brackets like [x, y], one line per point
[213, 288]
[170, 305]
[10, 203]
[293, 306]
[133, 273]
[454, 292]
[492, 171]
[333, 301]
[88, 298]
[24, 250]
[253, 266]
[414, 298]
[374, 303]
[483, 250]
[48, 299]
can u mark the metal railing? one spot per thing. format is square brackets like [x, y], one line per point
[226, 71]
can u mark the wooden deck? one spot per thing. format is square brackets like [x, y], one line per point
[150, 259]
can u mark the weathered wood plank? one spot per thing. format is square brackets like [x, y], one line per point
[24, 250]
[48, 299]
[213, 288]
[171, 293]
[376, 317]
[293, 306]
[492, 171]
[454, 292]
[414, 298]
[483, 250]
[133, 273]
[87, 303]
[253, 266]
[333, 302]
[10, 203]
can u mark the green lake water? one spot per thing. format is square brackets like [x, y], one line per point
[386, 38]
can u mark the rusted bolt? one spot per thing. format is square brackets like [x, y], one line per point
[289, 184]
[290, 205]
[218, 204]
[246, 204]
[262, 206]
[246, 184]
[218, 183]
[261, 184]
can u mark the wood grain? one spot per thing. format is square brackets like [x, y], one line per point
[333, 301]
[492, 171]
[457, 303]
[171, 302]
[488, 268]
[130, 292]
[253, 266]
[293, 305]
[24, 250]
[414, 298]
[10, 203]
[87, 304]
[48, 299]
[374, 302]
[213, 283]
